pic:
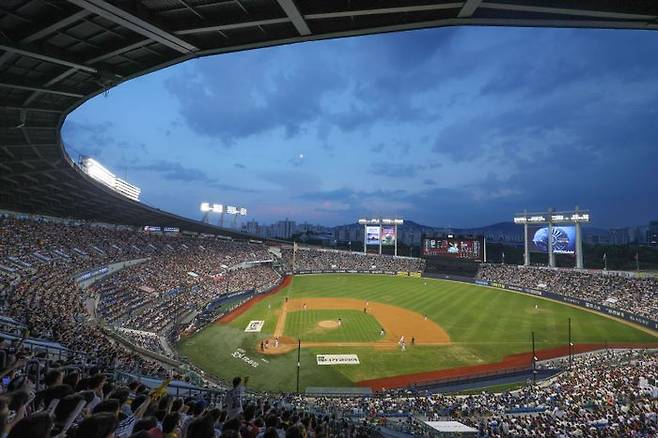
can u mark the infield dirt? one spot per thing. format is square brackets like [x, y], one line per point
[396, 322]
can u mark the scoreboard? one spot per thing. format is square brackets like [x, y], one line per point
[455, 247]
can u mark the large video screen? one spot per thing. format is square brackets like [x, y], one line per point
[372, 235]
[564, 239]
[469, 249]
[388, 235]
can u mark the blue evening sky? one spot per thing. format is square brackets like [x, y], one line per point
[454, 126]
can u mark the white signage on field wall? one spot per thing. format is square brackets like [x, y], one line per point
[254, 326]
[337, 359]
[240, 355]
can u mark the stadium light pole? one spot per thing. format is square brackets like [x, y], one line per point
[380, 236]
[534, 361]
[526, 246]
[579, 243]
[205, 209]
[551, 219]
[395, 250]
[299, 363]
[551, 255]
[570, 344]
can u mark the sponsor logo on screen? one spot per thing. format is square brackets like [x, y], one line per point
[563, 239]
[254, 326]
[372, 235]
[337, 359]
[388, 235]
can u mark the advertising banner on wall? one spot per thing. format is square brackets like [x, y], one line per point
[372, 235]
[388, 235]
[337, 359]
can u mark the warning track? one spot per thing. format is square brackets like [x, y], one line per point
[521, 361]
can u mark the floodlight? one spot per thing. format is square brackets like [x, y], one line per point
[243, 211]
[217, 208]
[520, 220]
[230, 209]
[127, 189]
[580, 217]
[205, 207]
[98, 172]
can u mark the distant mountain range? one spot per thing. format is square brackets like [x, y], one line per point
[503, 229]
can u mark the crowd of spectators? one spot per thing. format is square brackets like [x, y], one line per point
[41, 259]
[322, 260]
[635, 295]
[170, 307]
[157, 295]
[147, 340]
[49, 302]
[66, 399]
[610, 393]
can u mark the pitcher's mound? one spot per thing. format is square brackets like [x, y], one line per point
[328, 324]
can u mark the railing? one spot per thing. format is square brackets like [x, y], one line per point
[54, 350]
[178, 389]
[499, 374]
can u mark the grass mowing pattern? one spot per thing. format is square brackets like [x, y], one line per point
[357, 326]
[484, 324]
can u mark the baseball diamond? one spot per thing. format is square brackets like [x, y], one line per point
[449, 329]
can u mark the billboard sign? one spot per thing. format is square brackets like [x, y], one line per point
[456, 248]
[372, 235]
[337, 359]
[388, 235]
[564, 239]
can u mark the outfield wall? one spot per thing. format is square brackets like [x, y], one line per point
[617, 313]
[353, 271]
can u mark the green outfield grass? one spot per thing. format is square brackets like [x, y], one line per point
[356, 326]
[484, 324]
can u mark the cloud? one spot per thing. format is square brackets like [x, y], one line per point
[292, 87]
[395, 170]
[465, 125]
[218, 101]
[174, 171]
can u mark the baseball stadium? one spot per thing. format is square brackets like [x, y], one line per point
[122, 315]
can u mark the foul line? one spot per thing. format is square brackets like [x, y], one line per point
[281, 321]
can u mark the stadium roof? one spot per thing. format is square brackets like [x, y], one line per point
[56, 54]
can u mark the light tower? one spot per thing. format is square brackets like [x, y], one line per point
[553, 219]
[377, 225]
[206, 209]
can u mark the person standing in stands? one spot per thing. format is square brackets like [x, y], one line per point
[233, 398]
